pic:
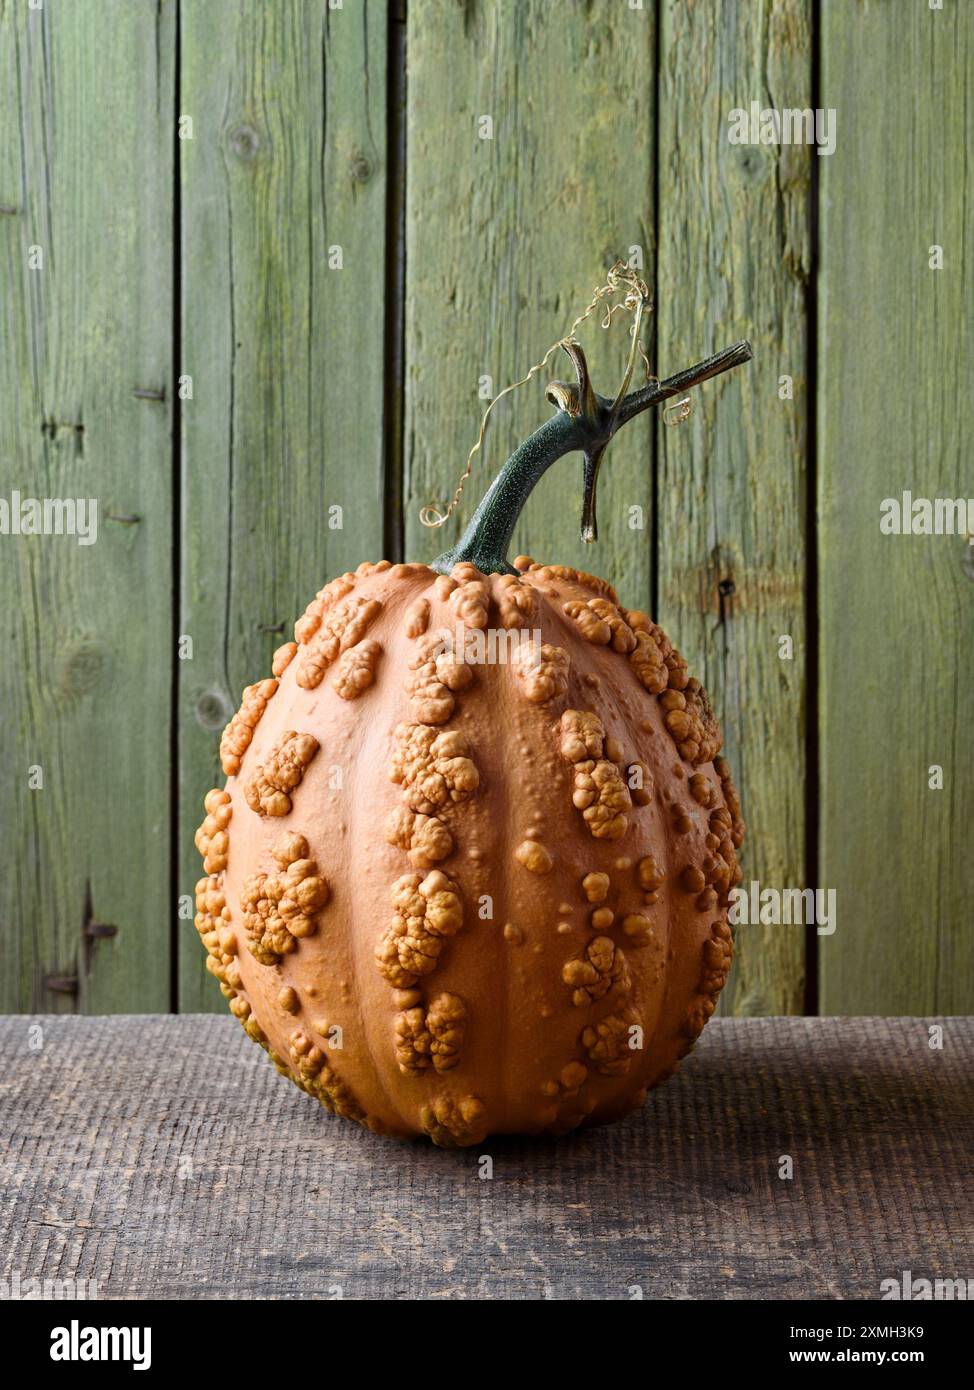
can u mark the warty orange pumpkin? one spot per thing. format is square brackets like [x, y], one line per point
[454, 896]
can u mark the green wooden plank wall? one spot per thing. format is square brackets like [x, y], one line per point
[285, 249]
[896, 414]
[734, 262]
[86, 256]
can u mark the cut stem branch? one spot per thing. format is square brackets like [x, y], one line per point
[587, 427]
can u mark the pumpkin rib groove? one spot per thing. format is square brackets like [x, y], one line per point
[502, 815]
[383, 1048]
[360, 970]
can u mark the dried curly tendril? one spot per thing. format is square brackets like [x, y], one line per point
[622, 280]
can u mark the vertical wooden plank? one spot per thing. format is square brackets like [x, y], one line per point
[895, 415]
[285, 350]
[734, 263]
[506, 239]
[86, 178]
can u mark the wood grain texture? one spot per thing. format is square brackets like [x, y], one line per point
[505, 249]
[734, 263]
[86, 177]
[895, 413]
[286, 162]
[164, 1158]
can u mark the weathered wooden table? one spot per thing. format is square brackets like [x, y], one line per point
[164, 1157]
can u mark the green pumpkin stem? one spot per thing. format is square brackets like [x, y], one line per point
[584, 422]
